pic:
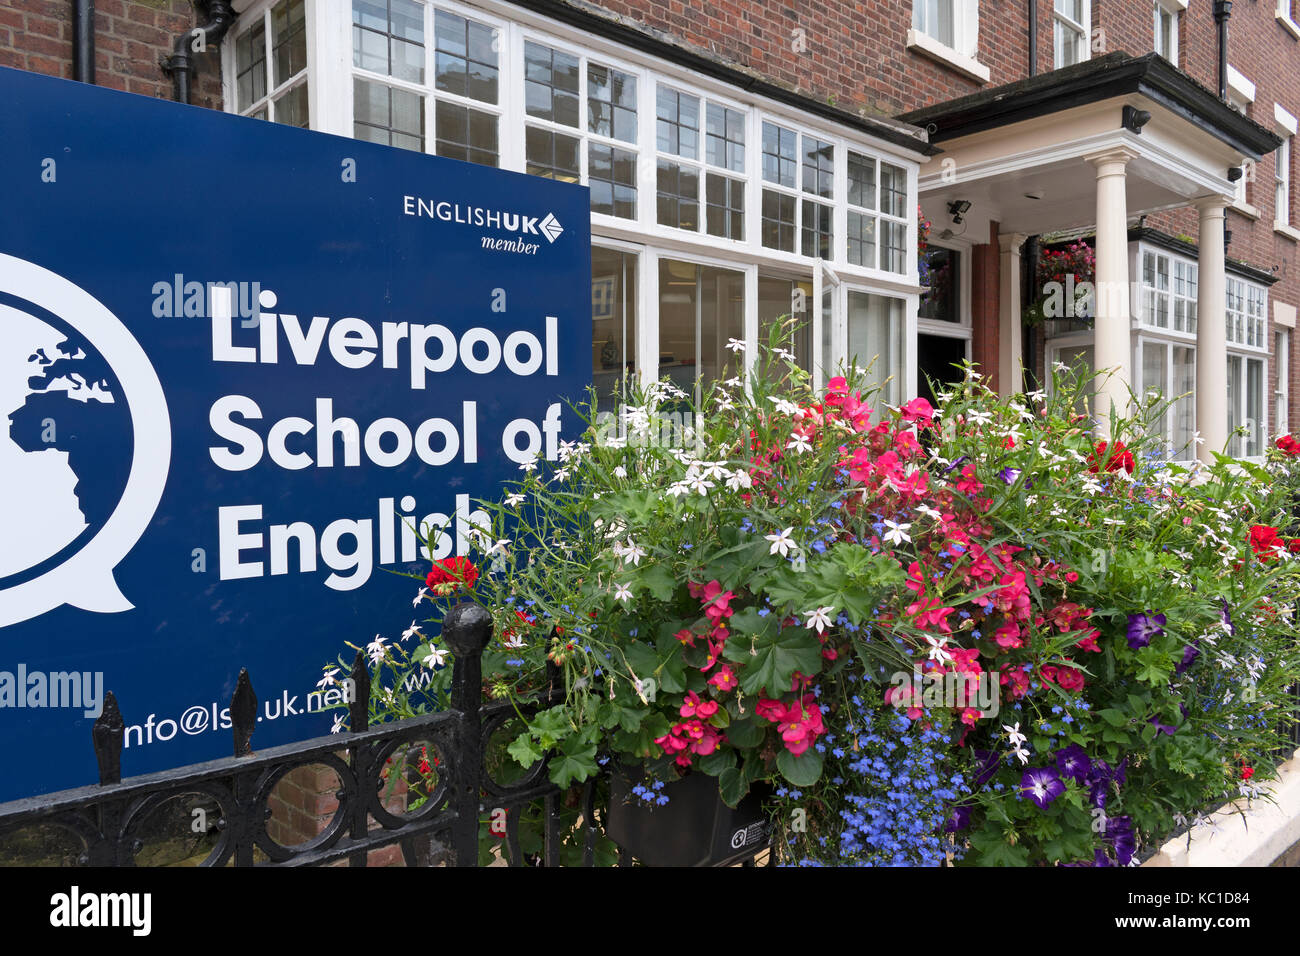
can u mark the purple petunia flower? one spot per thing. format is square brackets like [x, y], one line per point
[1161, 728]
[1073, 763]
[1190, 653]
[1119, 834]
[1009, 475]
[989, 762]
[1143, 627]
[1042, 786]
[1226, 615]
[959, 820]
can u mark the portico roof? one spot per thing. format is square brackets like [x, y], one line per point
[1023, 154]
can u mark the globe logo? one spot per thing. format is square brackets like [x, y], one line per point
[85, 445]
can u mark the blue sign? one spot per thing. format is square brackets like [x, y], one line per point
[238, 362]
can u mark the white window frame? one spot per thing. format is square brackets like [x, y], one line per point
[1241, 97]
[1143, 341]
[331, 73]
[1062, 24]
[261, 11]
[1170, 8]
[963, 54]
[1285, 18]
[1282, 391]
[961, 329]
[1239, 403]
[1145, 318]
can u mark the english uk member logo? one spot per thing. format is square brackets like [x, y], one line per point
[68, 368]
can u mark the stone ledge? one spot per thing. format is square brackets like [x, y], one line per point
[1242, 835]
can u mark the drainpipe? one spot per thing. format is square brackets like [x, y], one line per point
[1033, 37]
[83, 41]
[180, 65]
[1029, 290]
[1223, 10]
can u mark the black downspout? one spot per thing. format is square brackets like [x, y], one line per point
[83, 41]
[1033, 37]
[180, 66]
[1223, 10]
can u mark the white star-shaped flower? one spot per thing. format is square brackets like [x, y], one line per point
[529, 465]
[633, 552]
[1014, 735]
[377, 649]
[424, 593]
[736, 345]
[514, 641]
[784, 405]
[929, 512]
[620, 471]
[897, 533]
[412, 631]
[739, 479]
[338, 724]
[782, 543]
[938, 651]
[328, 680]
[819, 619]
[1023, 754]
[437, 657]
[798, 444]
[514, 499]
[622, 592]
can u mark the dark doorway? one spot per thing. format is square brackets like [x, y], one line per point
[936, 356]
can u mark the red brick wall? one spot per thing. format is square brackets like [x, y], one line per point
[984, 306]
[130, 38]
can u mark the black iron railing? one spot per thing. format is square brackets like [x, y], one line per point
[231, 800]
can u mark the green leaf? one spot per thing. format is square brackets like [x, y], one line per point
[771, 662]
[746, 733]
[1115, 718]
[523, 751]
[718, 761]
[659, 581]
[732, 786]
[575, 762]
[802, 771]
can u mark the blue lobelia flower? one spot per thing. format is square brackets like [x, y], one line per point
[1143, 627]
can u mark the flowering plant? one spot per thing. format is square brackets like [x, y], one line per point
[1065, 278]
[1019, 644]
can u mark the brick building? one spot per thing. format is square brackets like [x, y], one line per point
[749, 159]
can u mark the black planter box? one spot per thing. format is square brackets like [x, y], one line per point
[695, 828]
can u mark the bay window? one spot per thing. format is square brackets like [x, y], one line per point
[715, 212]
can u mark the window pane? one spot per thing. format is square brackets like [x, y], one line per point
[250, 65]
[862, 181]
[678, 196]
[876, 341]
[611, 174]
[893, 190]
[781, 300]
[941, 300]
[677, 125]
[700, 309]
[778, 220]
[1184, 410]
[1254, 407]
[780, 160]
[1155, 365]
[725, 206]
[291, 107]
[862, 240]
[818, 167]
[389, 39]
[893, 251]
[817, 230]
[385, 115]
[551, 84]
[613, 324]
[465, 62]
[551, 155]
[288, 40]
[611, 103]
[725, 138]
[466, 134]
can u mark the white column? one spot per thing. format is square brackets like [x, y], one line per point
[1112, 340]
[1010, 348]
[1211, 334]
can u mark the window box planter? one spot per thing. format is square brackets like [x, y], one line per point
[695, 828]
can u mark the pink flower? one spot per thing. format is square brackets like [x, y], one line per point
[920, 411]
[724, 679]
[769, 709]
[1008, 636]
[694, 707]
